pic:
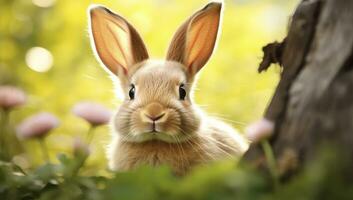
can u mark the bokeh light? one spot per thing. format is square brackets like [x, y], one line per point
[39, 59]
[43, 3]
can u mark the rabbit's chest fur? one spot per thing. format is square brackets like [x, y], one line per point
[181, 157]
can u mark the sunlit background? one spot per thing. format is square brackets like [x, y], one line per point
[44, 49]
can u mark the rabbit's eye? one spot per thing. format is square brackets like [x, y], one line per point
[182, 92]
[132, 92]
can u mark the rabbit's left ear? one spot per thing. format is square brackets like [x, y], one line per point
[116, 42]
[193, 43]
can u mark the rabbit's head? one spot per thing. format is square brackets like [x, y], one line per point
[157, 103]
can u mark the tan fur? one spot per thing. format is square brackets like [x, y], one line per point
[158, 127]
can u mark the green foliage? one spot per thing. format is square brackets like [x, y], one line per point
[323, 178]
[49, 181]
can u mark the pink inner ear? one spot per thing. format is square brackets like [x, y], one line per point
[194, 54]
[119, 46]
[193, 44]
[201, 39]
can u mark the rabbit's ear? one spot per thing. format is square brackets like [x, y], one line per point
[116, 42]
[193, 43]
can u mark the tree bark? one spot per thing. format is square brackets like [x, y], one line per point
[313, 102]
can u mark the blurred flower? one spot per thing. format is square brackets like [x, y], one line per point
[259, 130]
[80, 148]
[37, 126]
[11, 97]
[93, 113]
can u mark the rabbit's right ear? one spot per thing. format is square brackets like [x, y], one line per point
[116, 42]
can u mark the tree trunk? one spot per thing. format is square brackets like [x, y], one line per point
[313, 102]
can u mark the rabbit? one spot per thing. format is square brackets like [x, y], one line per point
[158, 122]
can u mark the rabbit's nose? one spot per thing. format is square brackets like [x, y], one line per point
[153, 112]
[155, 118]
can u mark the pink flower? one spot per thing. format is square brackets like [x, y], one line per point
[80, 148]
[11, 97]
[93, 113]
[37, 126]
[259, 130]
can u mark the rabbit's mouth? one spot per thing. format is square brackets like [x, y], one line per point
[161, 131]
[158, 131]
[160, 123]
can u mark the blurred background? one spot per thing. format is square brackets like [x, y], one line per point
[45, 50]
